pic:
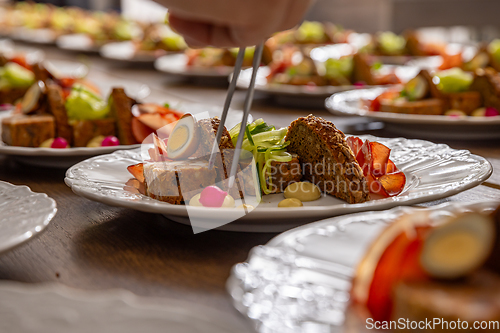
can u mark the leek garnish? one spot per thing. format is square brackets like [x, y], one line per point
[267, 145]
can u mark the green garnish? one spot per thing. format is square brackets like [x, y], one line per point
[391, 43]
[453, 80]
[310, 32]
[339, 69]
[16, 76]
[494, 49]
[267, 145]
[83, 104]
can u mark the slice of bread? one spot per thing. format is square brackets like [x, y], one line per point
[55, 98]
[121, 111]
[487, 83]
[28, 131]
[362, 70]
[326, 159]
[86, 130]
[430, 106]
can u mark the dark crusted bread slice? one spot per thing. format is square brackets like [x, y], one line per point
[121, 111]
[55, 97]
[487, 83]
[208, 130]
[326, 159]
[86, 130]
[363, 70]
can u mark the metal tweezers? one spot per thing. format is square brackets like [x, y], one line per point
[246, 110]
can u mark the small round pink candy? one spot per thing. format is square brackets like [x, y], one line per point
[59, 143]
[110, 141]
[359, 84]
[491, 112]
[212, 196]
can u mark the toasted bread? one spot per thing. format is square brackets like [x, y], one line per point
[58, 110]
[362, 70]
[27, 131]
[86, 130]
[466, 101]
[121, 111]
[431, 106]
[487, 83]
[326, 159]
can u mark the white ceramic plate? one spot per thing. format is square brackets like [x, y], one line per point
[303, 277]
[24, 215]
[177, 64]
[54, 308]
[403, 72]
[444, 127]
[36, 36]
[433, 172]
[77, 42]
[127, 52]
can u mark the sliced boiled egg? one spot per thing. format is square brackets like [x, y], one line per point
[31, 100]
[458, 247]
[184, 139]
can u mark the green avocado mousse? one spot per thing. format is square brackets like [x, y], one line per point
[83, 104]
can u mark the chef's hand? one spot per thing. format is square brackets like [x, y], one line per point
[232, 23]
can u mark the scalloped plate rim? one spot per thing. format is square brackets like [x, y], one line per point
[147, 204]
[336, 104]
[50, 213]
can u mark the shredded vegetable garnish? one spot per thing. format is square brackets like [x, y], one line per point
[267, 145]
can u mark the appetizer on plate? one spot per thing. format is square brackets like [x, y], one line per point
[98, 27]
[308, 159]
[487, 55]
[68, 112]
[409, 43]
[418, 270]
[451, 92]
[293, 67]
[214, 57]
[160, 37]
[310, 33]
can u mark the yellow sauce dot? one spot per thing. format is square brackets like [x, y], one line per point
[228, 202]
[290, 203]
[195, 201]
[303, 191]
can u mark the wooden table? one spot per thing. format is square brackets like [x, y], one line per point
[89, 245]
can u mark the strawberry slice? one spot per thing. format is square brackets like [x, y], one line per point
[137, 171]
